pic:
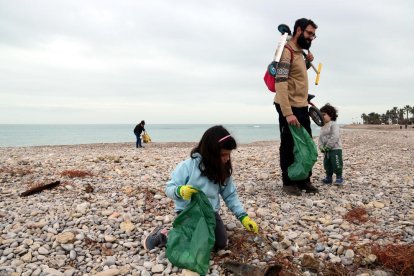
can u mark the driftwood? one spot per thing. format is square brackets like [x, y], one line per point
[38, 189]
[241, 269]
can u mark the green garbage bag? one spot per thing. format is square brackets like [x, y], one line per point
[305, 152]
[192, 238]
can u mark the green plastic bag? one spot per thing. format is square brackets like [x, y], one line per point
[305, 152]
[192, 238]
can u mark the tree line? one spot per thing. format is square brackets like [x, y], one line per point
[393, 116]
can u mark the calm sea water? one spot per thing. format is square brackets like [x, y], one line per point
[38, 135]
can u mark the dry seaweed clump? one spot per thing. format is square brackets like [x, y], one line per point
[397, 257]
[76, 173]
[357, 215]
[245, 247]
[15, 171]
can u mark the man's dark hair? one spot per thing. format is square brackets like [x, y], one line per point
[303, 23]
[213, 141]
[330, 110]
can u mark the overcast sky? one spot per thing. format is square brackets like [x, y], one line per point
[188, 61]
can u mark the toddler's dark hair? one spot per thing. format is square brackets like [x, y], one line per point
[213, 141]
[330, 110]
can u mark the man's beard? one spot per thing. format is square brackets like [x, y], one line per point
[304, 43]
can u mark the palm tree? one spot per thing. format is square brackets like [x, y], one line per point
[364, 118]
[401, 116]
[384, 118]
[389, 117]
[407, 109]
[394, 115]
[412, 112]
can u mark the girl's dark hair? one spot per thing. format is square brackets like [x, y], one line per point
[213, 141]
[303, 23]
[330, 110]
[142, 122]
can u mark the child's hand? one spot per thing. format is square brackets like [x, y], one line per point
[250, 225]
[324, 149]
[186, 191]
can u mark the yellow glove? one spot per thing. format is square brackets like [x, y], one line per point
[250, 225]
[186, 191]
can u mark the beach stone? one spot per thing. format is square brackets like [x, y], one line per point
[349, 253]
[319, 247]
[27, 257]
[110, 238]
[65, 237]
[69, 272]
[8, 251]
[83, 207]
[110, 260]
[52, 271]
[108, 272]
[43, 251]
[158, 268]
[231, 226]
[310, 262]
[72, 254]
[378, 205]
[67, 246]
[187, 272]
[127, 226]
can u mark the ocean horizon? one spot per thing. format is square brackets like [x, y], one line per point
[23, 135]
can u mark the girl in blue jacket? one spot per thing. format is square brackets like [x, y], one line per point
[209, 169]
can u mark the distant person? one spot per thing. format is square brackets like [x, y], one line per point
[291, 99]
[330, 144]
[137, 131]
[209, 169]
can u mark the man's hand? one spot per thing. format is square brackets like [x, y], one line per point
[309, 57]
[292, 120]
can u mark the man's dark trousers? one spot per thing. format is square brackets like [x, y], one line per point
[287, 143]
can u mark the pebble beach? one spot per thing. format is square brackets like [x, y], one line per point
[110, 196]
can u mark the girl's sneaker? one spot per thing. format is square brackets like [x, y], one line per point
[327, 180]
[339, 181]
[155, 239]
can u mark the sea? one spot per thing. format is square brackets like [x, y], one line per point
[23, 135]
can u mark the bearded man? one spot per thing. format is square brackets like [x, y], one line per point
[291, 99]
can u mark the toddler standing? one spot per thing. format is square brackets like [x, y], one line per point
[330, 144]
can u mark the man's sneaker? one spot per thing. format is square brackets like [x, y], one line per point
[292, 190]
[154, 239]
[339, 181]
[309, 188]
[327, 180]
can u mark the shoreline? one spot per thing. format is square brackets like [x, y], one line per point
[121, 198]
[132, 145]
[185, 143]
[378, 127]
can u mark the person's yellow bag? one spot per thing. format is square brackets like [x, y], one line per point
[146, 138]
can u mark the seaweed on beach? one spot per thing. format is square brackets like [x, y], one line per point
[379, 234]
[357, 215]
[151, 204]
[398, 257]
[245, 247]
[76, 173]
[15, 171]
